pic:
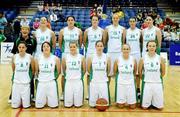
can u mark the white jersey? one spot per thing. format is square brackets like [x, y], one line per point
[73, 67]
[126, 70]
[152, 68]
[46, 68]
[99, 68]
[133, 39]
[41, 37]
[68, 36]
[93, 36]
[148, 34]
[115, 37]
[22, 67]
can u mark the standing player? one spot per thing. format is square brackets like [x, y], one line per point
[21, 64]
[91, 35]
[74, 67]
[98, 68]
[47, 70]
[153, 67]
[42, 34]
[114, 37]
[151, 33]
[133, 39]
[126, 68]
[66, 35]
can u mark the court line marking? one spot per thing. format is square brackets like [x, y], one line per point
[94, 110]
[19, 111]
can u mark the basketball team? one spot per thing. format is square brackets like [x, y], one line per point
[127, 55]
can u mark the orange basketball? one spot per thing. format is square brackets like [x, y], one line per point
[101, 104]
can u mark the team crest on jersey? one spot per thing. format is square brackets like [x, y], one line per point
[78, 62]
[26, 63]
[95, 36]
[51, 64]
[99, 35]
[46, 37]
[151, 34]
[136, 34]
[152, 65]
[131, 65]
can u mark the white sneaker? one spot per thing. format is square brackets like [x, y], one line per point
[62, 97]
[9, 101]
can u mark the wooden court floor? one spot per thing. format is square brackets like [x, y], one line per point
[171, 108]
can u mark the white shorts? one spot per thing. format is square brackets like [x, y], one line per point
[137, 57]
[20, 95]
[47, 92]
[73, 93]
[126, 93]
[98, 90]
[113, 57]
[152, 95]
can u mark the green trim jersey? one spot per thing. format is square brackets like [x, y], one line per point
[73, 67]
[99, 68]
[47, 68]
[41, 37]
[148, 34]
[126, 70]
[133, 39]
[68, 36]
[93, 36]
[152, 68]
[115, 37]
[22, 68]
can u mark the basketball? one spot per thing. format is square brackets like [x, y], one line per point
[101, 104]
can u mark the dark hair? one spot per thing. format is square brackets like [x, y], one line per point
[150, 17]
[94, 16]
[48, 44]
[69, 17]
[22, 42]
[98, 42]
[150, 42]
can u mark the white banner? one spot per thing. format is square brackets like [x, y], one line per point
[6, 55]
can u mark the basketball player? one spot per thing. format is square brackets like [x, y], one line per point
[47, 71]
[42, 34]
[91, 35]
[153, 67]
[74, 67]
[21, 63]
[134, 39]
[114, 37]
[151, 33]
[31, 47]
[98, 68]
[66, 35]
[125, 68]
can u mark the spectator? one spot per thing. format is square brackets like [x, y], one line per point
[59, 13]
[46, 8]
[167, 34]
[48, 23]
[24, 21]
[17, 27]
[144, 25]
[53, 17]
[3, 22]
[8, 31]
[40, 7]
[36, 24]
[99, 11]
[52, 8]
[158, 20]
